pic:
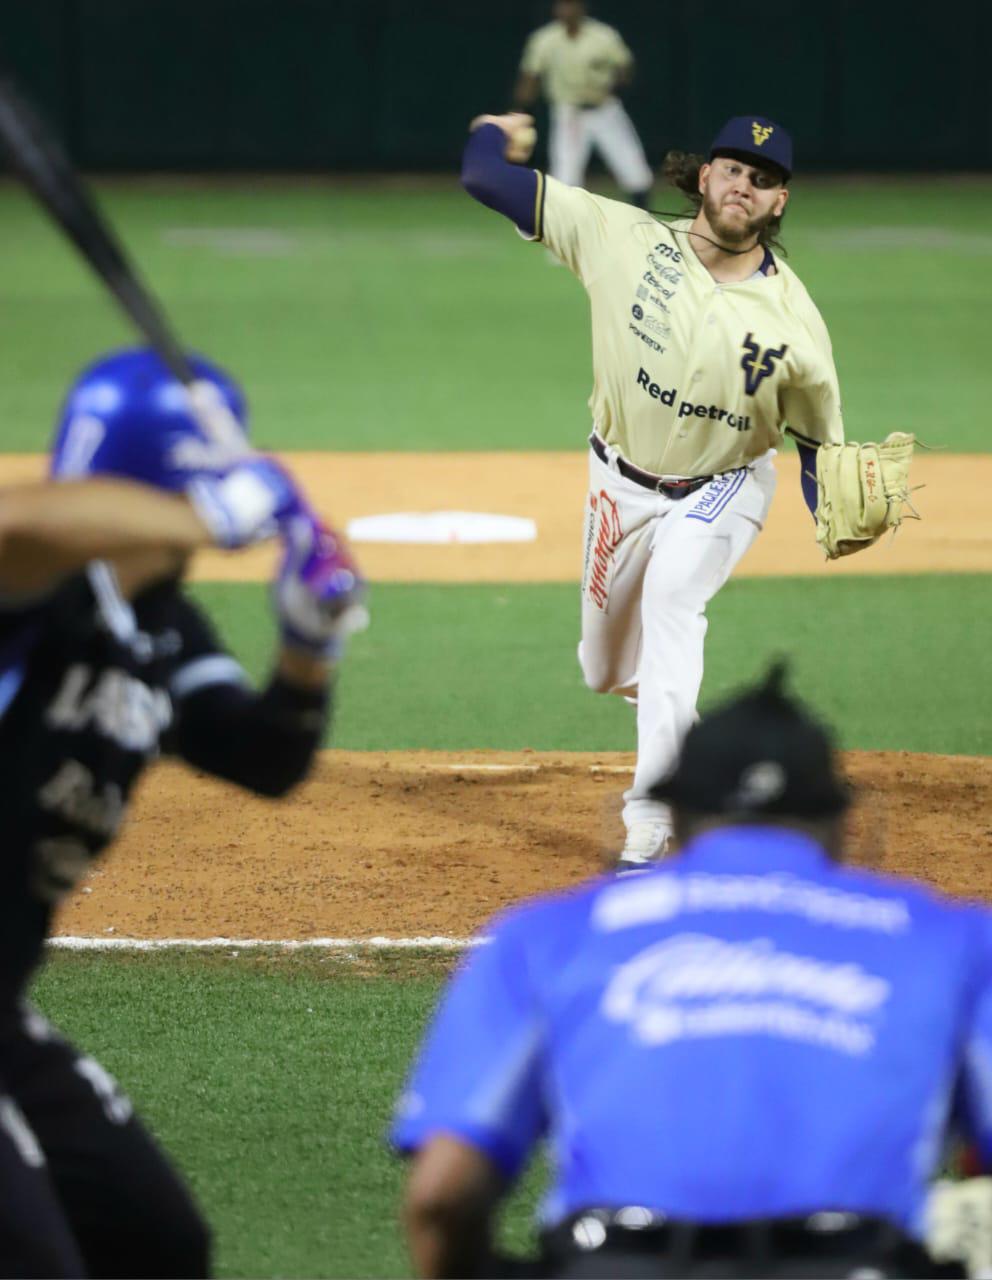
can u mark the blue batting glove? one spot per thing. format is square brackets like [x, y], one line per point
[319, 593]
[248, 502]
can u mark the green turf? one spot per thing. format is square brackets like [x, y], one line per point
[271, 1088]
[270, 1081]
[397, 317]
[894, 663]
[408, 318]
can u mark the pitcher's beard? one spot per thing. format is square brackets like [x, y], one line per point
[733, 234]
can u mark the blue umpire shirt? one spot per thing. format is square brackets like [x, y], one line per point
[750, 1030]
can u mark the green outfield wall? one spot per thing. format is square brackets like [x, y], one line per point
[387, 84]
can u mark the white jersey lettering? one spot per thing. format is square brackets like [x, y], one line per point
[117, 705]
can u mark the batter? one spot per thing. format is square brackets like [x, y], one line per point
[581, 63]
[706, 347]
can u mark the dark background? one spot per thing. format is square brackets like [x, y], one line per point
[391, 84]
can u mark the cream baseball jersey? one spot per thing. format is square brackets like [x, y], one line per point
[577, 70]
[690, 377]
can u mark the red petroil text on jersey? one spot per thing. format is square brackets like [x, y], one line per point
[687, 409]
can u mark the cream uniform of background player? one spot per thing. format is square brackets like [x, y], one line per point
[705, 348]
[580, 63]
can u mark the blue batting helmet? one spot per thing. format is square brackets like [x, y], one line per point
[128, 415]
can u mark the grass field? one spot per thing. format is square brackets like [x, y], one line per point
[394, 318]
[432, 671]
[401, 317]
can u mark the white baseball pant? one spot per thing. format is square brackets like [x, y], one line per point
[576, 130]
[652, 564]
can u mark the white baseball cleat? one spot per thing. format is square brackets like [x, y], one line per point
[646, 844]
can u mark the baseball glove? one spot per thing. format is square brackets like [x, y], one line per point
[861, 491]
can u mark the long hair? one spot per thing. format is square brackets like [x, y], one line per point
[681, 168]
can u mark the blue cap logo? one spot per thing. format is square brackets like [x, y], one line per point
[757, 139]
[761, 132]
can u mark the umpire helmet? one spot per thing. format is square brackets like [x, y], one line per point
[128, 415]
[759, 755]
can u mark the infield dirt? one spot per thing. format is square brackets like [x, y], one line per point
[408, 844]
[954, 536]
[413, 843]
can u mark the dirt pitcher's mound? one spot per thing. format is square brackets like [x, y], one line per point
[405, 844]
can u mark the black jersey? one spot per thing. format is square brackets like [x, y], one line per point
[91, 690]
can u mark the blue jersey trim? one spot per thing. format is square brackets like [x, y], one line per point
[10, 684]
[13, 666]
[807, 475]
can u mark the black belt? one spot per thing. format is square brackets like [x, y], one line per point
[642, 1231]
[658, 484]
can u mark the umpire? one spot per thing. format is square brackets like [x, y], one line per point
[745, 1061]
[104, 663]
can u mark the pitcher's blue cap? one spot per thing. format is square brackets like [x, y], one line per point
[756, 139]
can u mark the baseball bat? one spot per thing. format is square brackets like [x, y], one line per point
[39, 161]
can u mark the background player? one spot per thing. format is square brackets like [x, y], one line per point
[710, 1048]
[580, 63]
[705, 345]
[104, 661]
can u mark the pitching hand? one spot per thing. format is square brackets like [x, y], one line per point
[521, 136]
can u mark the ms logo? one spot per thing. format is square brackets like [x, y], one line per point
[761, 132]
[758, 364]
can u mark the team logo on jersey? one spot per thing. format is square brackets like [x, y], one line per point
[75, 795]
[113, 704]
[761, 132]
[758, 364]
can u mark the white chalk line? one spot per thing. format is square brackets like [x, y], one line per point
[520, 768]
[67, 942]
[433, 943]
[481, 768]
